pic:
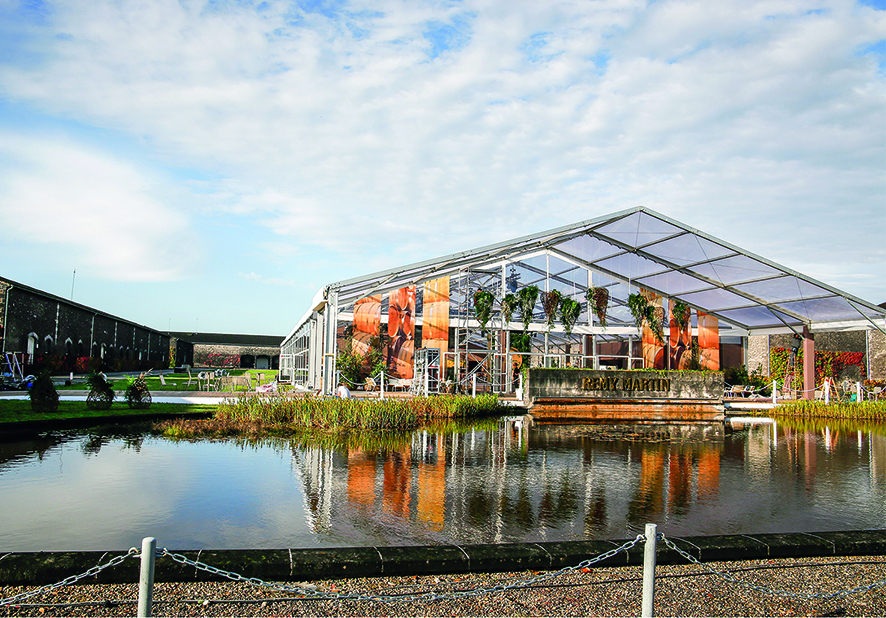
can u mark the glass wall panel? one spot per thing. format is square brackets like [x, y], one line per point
[688, 249]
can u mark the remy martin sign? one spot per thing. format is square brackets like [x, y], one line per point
[549, 384]
[627, 383]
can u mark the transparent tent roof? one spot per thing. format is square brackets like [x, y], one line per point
[640, 248]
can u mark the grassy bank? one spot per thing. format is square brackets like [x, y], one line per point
[279, 415]
[864, 410]
[175, 381]
[19, 411]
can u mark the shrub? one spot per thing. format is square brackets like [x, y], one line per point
[44, 397]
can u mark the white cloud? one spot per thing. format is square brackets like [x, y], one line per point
[85, 203]
[336, 130]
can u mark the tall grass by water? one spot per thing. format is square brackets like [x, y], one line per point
[276, 414]
[862, 410]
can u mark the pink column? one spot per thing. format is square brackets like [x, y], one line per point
[808, 364]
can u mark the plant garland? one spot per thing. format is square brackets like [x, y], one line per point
[598, 298]
[527, 297]
[483, 302]
[549, 302]
[643, 312]
[681, 314]
[570, 309]
[509, 304]
[137, 393]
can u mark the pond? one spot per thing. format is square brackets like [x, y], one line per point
[496, 482]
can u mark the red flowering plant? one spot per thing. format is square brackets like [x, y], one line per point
[827, 364]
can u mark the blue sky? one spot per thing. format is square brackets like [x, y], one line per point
[209, 165]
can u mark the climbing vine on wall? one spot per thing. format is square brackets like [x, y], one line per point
[827, 364]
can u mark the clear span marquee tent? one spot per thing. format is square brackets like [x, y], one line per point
[430, 304]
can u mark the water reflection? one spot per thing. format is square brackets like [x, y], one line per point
[500, 481]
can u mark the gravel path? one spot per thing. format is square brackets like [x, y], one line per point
[684, 590]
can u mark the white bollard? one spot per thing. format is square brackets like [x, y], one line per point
[146, 577]
[827, 390]
[474, 386]
[774, 393]
[381, 381]
[649, 572]
[858, 392]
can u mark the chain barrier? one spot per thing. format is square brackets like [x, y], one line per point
[73, 579]
[728, 576]
[425, 596]
[307, 591]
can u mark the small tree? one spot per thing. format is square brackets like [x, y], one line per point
[44, 397]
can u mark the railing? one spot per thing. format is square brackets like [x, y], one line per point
[149, 554]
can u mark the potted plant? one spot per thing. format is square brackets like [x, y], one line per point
[43, 396]
[137, 393]
[527, 297]
[101, 395]
[550, 301]
[598, 298]
[570, 309]
[483, 302]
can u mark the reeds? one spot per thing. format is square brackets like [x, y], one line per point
[281, 415]
[371, 414]
[863, 410]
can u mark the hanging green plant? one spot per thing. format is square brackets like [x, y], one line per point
[549, 302]
[681, 314]
[637, 306]
[526, 298]
[521, 342]
[644, 313]
[509, 304]
[598, 298]
[570, 309]
[483, 302]
[655, 320]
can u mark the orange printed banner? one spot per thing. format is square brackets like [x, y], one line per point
[679, 339]
[367, 319]
[435, 322]
[401, 329]
[709, 341]
[653, 350]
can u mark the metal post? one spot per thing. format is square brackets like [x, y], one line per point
[649, 572]
[827, 391]
[474, 386]
[774, 393]
[146, 577]
[381, 381]
[858, 392]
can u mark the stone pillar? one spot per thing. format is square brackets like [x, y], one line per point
[758, 354]
[876, 349]
[808, 364]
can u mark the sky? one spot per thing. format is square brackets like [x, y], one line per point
[209, 165]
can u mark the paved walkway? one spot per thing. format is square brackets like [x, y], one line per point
[681, 590]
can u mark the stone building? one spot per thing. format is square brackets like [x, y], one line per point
[40, 329]
[233, 351]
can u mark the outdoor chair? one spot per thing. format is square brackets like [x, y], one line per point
[162, 380]
[240, 382]
[369, 385]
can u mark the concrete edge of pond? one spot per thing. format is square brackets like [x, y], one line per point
[39, 568]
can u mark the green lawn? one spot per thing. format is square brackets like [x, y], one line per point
[18, 410]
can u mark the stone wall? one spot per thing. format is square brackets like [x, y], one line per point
[218, 355]
[873, 342]
[877, 355]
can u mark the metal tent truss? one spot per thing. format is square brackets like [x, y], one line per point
[623, 252]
